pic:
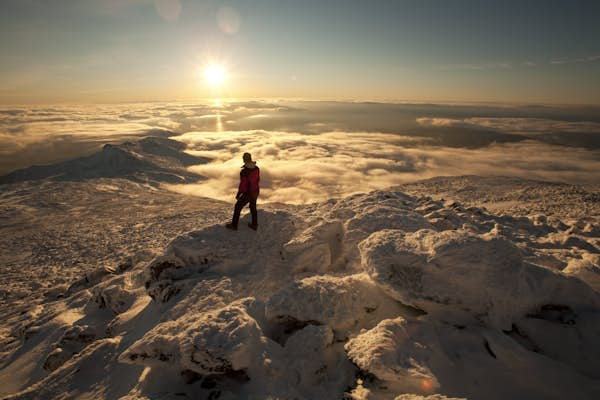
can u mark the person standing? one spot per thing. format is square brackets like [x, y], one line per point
[248, 191]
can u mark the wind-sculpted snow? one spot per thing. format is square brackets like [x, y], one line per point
[344, 304]
[472, 361]
[587, 268]
[390, 352]
[483, 275]
[214, 342]
[374, 296]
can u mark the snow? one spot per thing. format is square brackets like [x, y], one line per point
[514, 196]
[342, 303]
[149, 159]
[587, 269]
[433, 270]
[379, 295]
[425, 356]
[214, 342]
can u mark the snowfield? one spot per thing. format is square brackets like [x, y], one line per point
[116, 288]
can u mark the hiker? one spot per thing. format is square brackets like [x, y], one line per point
[247, 192]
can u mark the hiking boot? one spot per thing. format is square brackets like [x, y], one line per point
[252, 226]
[231, 226]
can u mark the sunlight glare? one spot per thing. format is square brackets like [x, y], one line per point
[214, 75]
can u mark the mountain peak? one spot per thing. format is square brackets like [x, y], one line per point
[151, 159]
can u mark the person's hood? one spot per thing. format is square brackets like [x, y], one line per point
[249, 164]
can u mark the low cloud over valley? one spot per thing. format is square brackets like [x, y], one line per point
[312, 151]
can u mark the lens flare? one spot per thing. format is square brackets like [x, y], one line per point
[426, 385]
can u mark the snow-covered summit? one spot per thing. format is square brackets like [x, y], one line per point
[373, 296]
[152, 159]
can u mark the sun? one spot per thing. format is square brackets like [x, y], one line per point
[214, 75]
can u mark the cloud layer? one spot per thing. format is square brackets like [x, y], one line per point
[311, 151]
[300, 168]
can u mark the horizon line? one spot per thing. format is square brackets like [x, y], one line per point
[398, 101]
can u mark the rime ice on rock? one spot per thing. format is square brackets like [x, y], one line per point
[483, 275]
[340, 303]
[114, 294]
[72, 342]
[215, 342]
[389, 352]
[317, 248]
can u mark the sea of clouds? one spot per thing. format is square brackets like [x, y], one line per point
[312, 150]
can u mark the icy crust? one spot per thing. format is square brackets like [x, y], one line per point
[344, 304]
[72, 342]
[482, 274]
[316, 249]
[375, 296]
[389, 352]
[214, 248]
[114, 294]
[426, 355]
[587, 269]
[215, 342]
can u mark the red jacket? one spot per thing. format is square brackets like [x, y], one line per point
[249, 180]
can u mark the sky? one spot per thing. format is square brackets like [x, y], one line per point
[536, 51]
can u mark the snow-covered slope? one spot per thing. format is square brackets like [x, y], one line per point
[152, 159]
[513, 196]
[54, 233]
[378, 295]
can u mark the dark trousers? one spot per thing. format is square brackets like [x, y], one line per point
[244, 199]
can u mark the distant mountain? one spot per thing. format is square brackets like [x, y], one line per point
[152, 159]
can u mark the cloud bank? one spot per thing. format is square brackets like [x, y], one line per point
[299, 168]
[310, 150]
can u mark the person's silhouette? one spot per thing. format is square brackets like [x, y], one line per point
[247, 192]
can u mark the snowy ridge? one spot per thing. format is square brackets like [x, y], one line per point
[152, 159]
[378, 295]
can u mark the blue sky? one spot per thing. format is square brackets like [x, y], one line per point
[461, 50]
